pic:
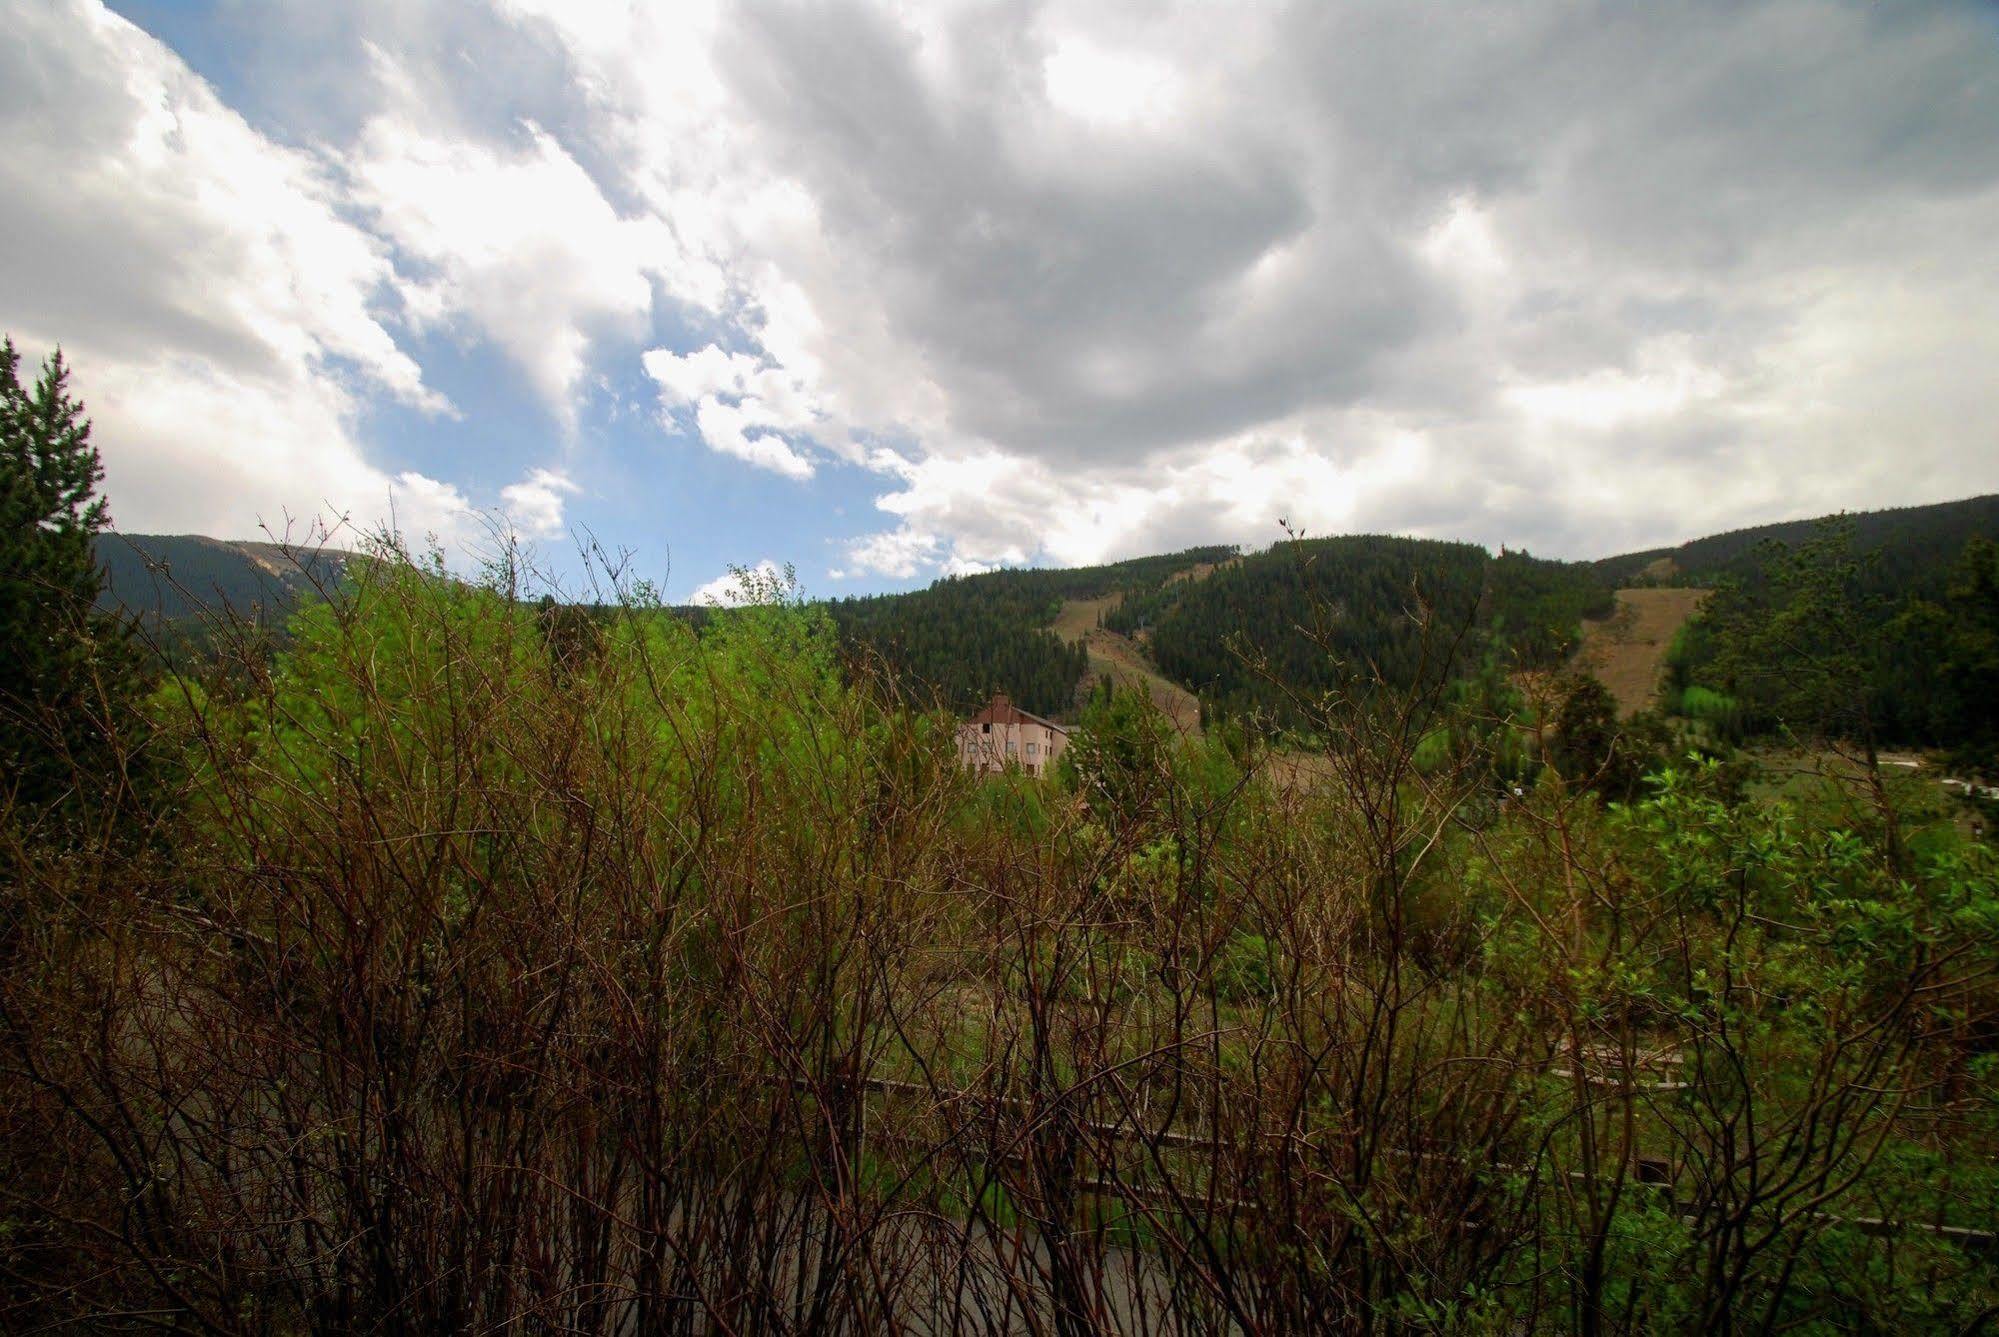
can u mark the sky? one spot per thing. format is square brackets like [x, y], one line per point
[889, 292]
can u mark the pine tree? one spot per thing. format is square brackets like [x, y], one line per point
[64, 668]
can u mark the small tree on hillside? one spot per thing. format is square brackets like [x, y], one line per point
[1593, 747]
[64, 668]
[1120, 757]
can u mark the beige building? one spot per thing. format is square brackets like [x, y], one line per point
[1004, 735]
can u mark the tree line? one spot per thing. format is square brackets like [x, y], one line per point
[1912, 546]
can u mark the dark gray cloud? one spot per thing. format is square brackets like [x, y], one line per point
[1693, 181]
[1073, 291]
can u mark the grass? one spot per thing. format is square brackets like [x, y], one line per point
[1627, 650]
[1120, 659]
[1706, 704]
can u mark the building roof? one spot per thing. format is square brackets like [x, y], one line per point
[1000, 710]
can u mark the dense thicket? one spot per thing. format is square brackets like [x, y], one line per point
[492, 968]
[1380, 603]
[965, 637]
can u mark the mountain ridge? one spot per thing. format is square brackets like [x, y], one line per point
[1180, 620]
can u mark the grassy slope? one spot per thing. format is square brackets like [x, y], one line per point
[1627, 650]
[1116, 657]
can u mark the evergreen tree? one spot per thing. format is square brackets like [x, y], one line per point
[64, 668]
[1799, 650]
[1971, 664]
[1121, 758]
[1593, 747]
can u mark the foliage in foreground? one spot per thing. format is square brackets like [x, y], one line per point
[489, 970]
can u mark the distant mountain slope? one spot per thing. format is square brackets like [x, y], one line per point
[1627, 650]
[170, 577]
[1918, 544]
[965, 637]
[1911, 619]
[1357, 597]
[962, 638]
[1169, 621]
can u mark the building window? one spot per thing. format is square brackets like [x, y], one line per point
[985, 728]
[1030, 749]
[1011, 747]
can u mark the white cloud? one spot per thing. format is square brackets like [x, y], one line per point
[978, 512]
[898, 553]
[226, 318]
[726, 428]
[687, 379]
[518, 241]
[425, 509]
[1120, 277]
[1076, 281]
[534, 505]
[766, 582]
[1109, 87]
[740, 407]
[1669, 379]
[220, 312]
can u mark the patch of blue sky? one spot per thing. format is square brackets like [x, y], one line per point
[645, 481]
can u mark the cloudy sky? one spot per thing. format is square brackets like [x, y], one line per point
[894, 291]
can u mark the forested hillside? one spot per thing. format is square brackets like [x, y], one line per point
[966, 637]
[1913, 601]
[1515, 605]
[969, 636]
[178, 576]
[963, 638]
[1879, 627]
[1914, 546]
[1893, 645]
